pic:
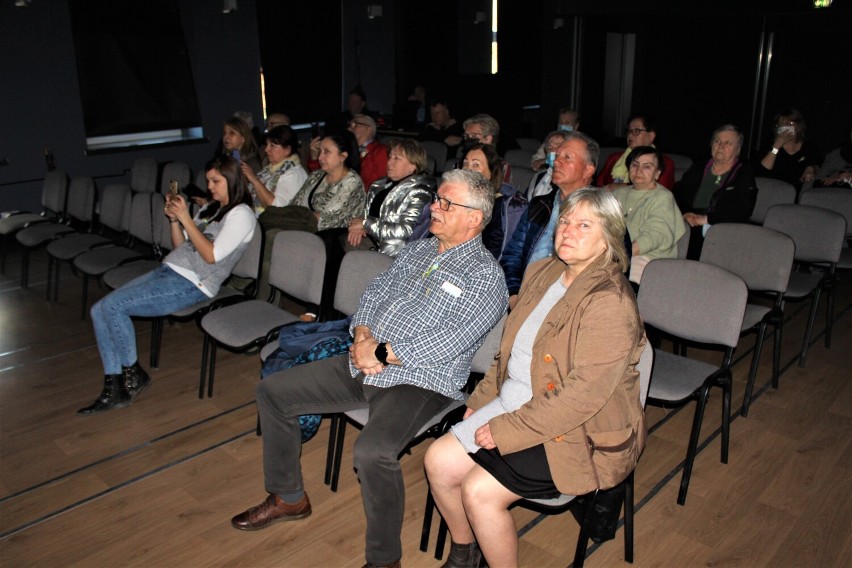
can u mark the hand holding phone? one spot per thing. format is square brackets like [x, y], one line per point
[174, 188]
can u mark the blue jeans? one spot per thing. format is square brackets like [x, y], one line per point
[158, 293]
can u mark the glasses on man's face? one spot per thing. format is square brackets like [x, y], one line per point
[635, 131]
[473, 135]
[647, 167]
[445, 203]
[355, 123]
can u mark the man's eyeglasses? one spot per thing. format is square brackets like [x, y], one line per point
[473, 135]
[355, 123]
[445, 203]
[635, 131]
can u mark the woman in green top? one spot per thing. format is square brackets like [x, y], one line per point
[654, 221]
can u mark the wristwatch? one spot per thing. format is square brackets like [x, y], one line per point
[774, 151]
[382, 353]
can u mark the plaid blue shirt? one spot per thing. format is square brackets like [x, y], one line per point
[435, 311]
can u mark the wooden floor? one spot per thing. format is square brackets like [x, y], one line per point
[155, 484]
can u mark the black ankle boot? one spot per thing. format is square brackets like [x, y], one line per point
[113, 396]
[465, 556]
[136, 380]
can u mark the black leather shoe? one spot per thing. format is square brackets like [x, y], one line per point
[136, 380]
[271, 511]
[112, 397]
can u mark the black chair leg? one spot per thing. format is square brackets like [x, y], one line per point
[752, 373]
[628, 518]
[726, 416]
[329, 458]
[427, 521]
[776, 354]
[49, 277]
[156, 341]
[692, 449]
[202, 375]
[212, 369]
[829, 314]
[338, 451]
[441, 541]
[583, 537]
[804, 353]
[85, 297]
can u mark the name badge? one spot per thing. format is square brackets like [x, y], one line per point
[451, 289]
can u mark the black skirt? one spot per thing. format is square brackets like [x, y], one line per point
[525, 473]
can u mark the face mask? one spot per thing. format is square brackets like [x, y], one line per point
[566, 128]
[551, 159]
[468, 144]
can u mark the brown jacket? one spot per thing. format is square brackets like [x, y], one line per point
[585, 406]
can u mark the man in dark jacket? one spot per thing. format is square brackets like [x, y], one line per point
[576, 161]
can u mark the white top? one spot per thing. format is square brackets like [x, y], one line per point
[288, 185]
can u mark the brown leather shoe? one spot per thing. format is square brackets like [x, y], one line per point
[271, 511]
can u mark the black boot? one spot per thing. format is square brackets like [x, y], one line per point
[465, 556]
[113, 396]
[136, 380]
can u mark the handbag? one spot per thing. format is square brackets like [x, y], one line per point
[288, 218]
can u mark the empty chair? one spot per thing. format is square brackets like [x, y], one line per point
[681, 164]
[437, 151]
[298, 264]
[529, 144]
[521, 177]
[606, 152]
[113, 224]
[835, 199]
[771, 192]
[97, 261]
[819, 235]
[519, 157]
[144, 173]
[702, 305]
[78, 215]
[178, 171]
[53, 195]
[763, 258]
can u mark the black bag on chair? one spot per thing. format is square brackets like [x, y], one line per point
[602, 509]
[289, 218]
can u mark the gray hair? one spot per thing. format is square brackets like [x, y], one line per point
[603, 205]
[593, 149]
[370, 122]
[480, 192]
[555, 134]
[729, 128]
[490, 126]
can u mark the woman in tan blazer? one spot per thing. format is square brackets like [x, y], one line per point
[559, 411]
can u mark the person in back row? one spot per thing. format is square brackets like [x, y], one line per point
[532, 240]
[568, 121]
[415, 333]
[641, 131]
[277, 183]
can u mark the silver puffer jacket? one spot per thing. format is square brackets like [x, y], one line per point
[399, 211]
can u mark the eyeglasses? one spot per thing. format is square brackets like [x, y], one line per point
[635, 131]
[355, 123]
[473, 135]
[445, 203]
[646, 167]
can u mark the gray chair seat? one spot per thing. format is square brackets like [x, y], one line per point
[15, 223]
[75, 245]
[225, 293]
[256, 319]
[754, 314]
[802, 284]
[41, 233]
[676, 377]
[97, 262]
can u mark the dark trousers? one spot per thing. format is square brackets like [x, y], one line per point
[396, 414]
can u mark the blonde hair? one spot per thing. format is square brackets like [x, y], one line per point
[603, 205]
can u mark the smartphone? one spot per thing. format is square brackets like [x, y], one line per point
[174, 188]
[235, 154]
[786, 129]
[315, 130]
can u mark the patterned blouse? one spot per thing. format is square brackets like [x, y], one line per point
[336, 203]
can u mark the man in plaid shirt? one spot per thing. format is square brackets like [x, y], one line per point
[415, 333]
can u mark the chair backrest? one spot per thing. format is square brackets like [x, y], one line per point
[162, 227]
[54, 192]
[357, 270]
[141, 221]
[81, 199]
[761, 256]
[250, 262]
[521, 177]
[604, 155]
[681, 163]
[115, 207]
[530, 144]
[693, 300]
[174, 170]
[437, 150]
[817, 232]
[449, 164]
[683, 242]
[771, 192]
[298, 265]
[837, 199]
[143, 175]
[430, 165]
[645, 366]
[519, 157]
[484, 356]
